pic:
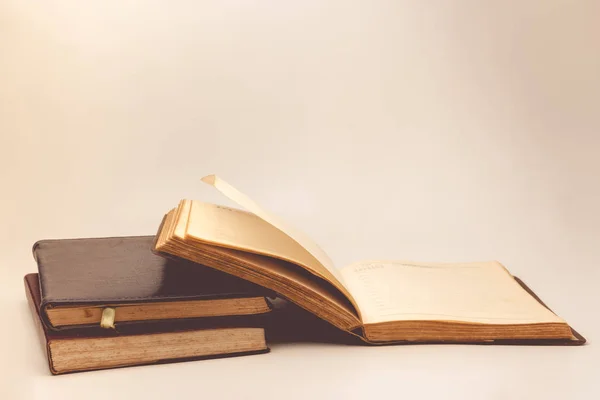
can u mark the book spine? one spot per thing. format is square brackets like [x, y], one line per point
[35, 314]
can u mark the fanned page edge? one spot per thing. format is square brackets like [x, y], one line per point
[299, 237]
[166, 245]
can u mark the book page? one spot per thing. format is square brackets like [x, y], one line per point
[240, 230]
[468, 292]
[299, 237]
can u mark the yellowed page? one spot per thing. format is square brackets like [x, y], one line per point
[237, 229]
[209, 233]
[482, 292]
[181, 218]
[323, 262]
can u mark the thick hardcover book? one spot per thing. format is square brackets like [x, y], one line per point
[95, 348]
[80, 278]
[381, 302]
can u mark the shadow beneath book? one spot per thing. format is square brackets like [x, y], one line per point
[288, 323]
[184, 278]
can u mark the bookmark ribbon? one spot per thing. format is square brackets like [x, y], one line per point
[108, 318]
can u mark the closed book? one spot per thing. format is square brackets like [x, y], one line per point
[93, 348]
[80, 278]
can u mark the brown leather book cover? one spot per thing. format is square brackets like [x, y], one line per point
[139, 330]
[124, 270]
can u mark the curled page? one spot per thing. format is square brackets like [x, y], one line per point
[299, 237]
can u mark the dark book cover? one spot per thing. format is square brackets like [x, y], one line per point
[124, 270]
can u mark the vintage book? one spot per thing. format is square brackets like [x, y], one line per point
[379, 301]
[84, 349]
[80, 278]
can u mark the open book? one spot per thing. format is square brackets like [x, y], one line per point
[380, 301]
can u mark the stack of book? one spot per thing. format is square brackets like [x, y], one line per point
[200, 289]
[111, 302]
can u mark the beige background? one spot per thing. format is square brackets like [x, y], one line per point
[425, 130]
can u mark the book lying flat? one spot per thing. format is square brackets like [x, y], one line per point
[84, 349]
[80, 278]
[379, 301]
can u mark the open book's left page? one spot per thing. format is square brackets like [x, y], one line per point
[241, 244]
[260, 232]
[304, 243]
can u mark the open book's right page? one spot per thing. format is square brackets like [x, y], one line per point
[482, 292]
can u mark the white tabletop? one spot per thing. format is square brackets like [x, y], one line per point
[428, 131]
